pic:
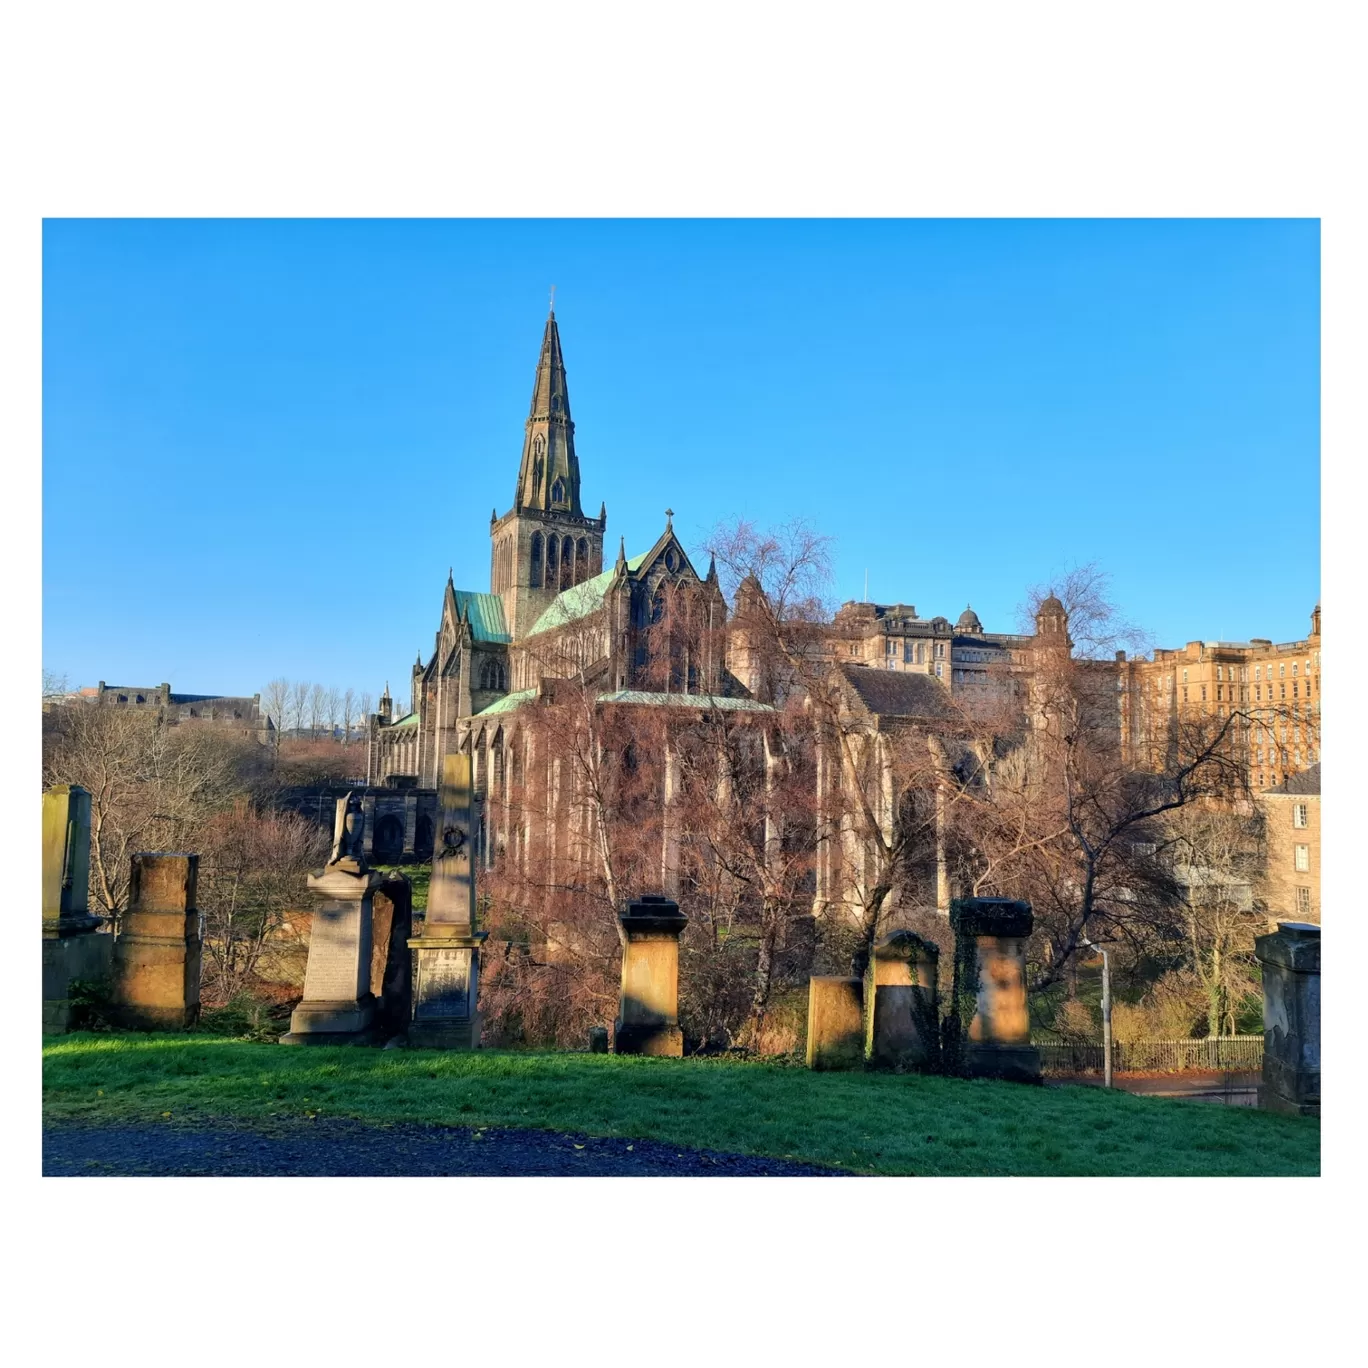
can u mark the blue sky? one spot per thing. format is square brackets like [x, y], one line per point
[266, 441]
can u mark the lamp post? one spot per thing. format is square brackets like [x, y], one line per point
[1106, 1013]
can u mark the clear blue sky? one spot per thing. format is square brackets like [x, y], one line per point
[265, 442]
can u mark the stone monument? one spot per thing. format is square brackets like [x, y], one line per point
[338, 1006]
[446, 956]
[73, 946]
[158, 951]
[835, 1023]
[1290, 957]
[902, 1021]
[648, 1005]
[992, 1024]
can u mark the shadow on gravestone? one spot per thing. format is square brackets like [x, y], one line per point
[391, 976]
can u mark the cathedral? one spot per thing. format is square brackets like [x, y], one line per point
[552, 611]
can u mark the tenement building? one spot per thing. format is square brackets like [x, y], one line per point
[1272, 691]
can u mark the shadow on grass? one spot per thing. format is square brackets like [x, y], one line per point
[869, 1122]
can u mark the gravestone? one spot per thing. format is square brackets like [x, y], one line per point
[338, 1006]
[902, 1025]
[74, 948]
[648, 1003]
[1290, 958]
[835, 1023]
[990, 989]
[446, 956]
[391, 929]
[157, 954]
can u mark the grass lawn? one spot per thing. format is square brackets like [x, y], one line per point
[871, 1123]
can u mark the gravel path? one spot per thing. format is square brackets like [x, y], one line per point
[333, 1147]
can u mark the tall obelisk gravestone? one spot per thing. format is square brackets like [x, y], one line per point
[446, 957]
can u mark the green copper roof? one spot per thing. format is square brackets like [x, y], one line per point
[486, 615]
[509, 702]
[408, 720]
[578, 602]
[708, 702]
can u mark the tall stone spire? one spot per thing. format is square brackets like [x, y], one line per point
[549, 475]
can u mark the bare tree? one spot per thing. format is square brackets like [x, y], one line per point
[332, 710]
[54, 684]
[151, 786]
[300, 692]
[348, 714]
[317, 707]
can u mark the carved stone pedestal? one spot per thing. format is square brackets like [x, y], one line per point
[338, 1008]
[446, 979]
[1291, 964]
[990, 974]
[648, 1007]
[158, 951]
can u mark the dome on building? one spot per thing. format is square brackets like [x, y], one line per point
[1050, 605]
[968, 621]
[940, 622]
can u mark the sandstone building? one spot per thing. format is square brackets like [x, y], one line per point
[228, 711]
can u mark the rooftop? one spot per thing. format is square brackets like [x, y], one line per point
[1305, 783]
[898, 693]
[578, 601]
[486, 615]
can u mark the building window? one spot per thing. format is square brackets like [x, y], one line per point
[1258, 693]
[921, 653]
[890, 646]
[940, 652]
[1282, 671]
[558, 491]
[1185, 697]
[1303, 902]
[534, 577]
[907, 652]
[854, 650]
[1282, 690]
[1219, 687]
[1203, 693]
[1185, 678]
[1294, 688]
[1294, 669]
[1301, 859]
[939, 668]
[1258, 672]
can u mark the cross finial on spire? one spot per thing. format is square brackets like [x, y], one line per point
[669, 514]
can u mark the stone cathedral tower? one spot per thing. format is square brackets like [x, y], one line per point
[544, 543]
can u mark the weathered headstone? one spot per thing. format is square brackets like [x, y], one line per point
[74, 949]
[990, 989]
[158, 952]
[902, 1026]
[338, 1007]
[648, 1005]
[446, 956]
[1290, 957]
[835, 1023]
[391, 929]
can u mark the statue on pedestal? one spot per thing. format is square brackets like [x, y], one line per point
[349, 826]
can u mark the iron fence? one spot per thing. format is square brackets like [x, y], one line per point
[1225, 1054]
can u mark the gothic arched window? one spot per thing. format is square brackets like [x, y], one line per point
[567, 562]
[581, 560]
[535, 576]
[552, 545]
[558, 491]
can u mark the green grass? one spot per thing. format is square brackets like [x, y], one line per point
[872, 1123]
